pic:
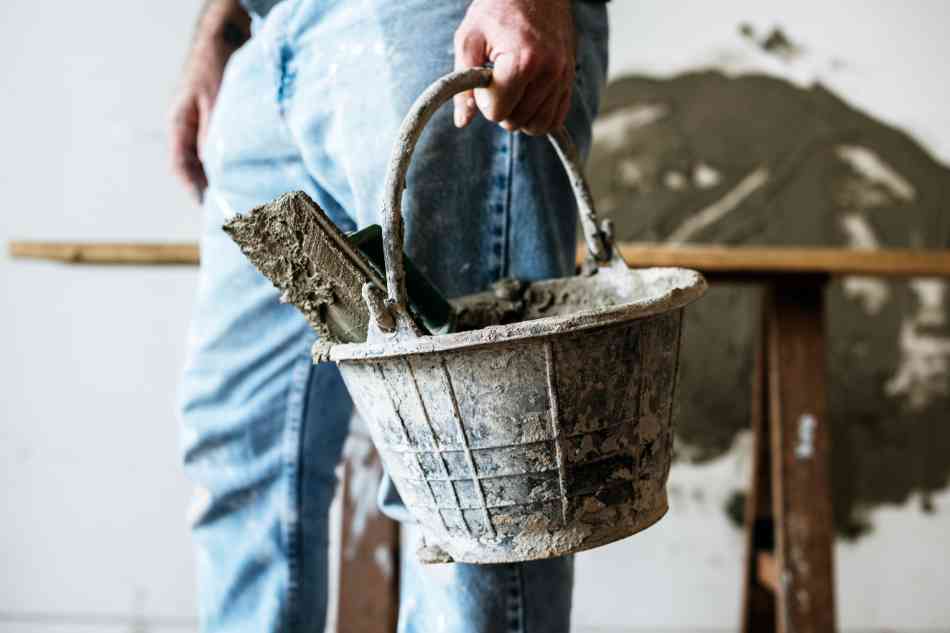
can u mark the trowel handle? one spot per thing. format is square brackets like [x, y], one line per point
[598, 239]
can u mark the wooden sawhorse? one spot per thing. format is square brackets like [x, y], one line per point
[789, 566]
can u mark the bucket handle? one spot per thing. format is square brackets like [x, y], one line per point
[599, 239]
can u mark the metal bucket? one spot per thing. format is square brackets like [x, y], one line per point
[531, 439]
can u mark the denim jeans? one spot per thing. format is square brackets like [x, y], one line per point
[312, 102]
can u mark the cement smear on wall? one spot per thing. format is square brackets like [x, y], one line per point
[705, 158]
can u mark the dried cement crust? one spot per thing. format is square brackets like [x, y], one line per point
[528, 447]
[298, 248]
[579, 303]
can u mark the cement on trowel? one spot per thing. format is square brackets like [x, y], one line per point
[295, 245]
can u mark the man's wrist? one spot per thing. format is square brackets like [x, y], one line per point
[223, 22]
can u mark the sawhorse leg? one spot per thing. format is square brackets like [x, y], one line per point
[789, 576]
[367, 570]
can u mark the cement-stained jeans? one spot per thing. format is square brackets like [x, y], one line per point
[312, 103]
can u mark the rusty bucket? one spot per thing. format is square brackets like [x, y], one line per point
[530, 439]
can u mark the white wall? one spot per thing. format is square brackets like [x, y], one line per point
[92, 528]
[93, 535]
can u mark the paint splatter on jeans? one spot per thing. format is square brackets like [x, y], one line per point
[312, 103]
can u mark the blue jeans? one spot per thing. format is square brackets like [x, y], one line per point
[312, 102]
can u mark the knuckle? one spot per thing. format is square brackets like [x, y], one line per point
[465, 39]
[541, 61]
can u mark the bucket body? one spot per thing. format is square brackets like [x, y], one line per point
[525, 449]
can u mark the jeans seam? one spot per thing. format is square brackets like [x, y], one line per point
[512, 141]
[515, 600]
[499, 205]
[292, 449]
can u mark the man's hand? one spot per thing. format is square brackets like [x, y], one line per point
[532, 46]
[222, 29]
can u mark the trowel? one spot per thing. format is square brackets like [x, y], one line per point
[322, 270]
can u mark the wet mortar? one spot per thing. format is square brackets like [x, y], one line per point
[706, 158]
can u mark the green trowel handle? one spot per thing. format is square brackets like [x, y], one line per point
[430, 305]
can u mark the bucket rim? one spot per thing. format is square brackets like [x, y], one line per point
[692, 287]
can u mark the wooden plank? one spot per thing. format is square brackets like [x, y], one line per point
[717, 261]
[737, 260]
[368, 580]
[137, 253]
[801, 452]
[758, 598]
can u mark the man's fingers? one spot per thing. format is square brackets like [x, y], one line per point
[469, 52]
[464, 108]
[563, 109]
[506, 90]
[185, 162]
[205, 107]
[535, 96]
[545, 103]
[464, 104]
[191, 173]
[543, 120]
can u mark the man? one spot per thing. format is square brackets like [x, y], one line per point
[312, 102]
